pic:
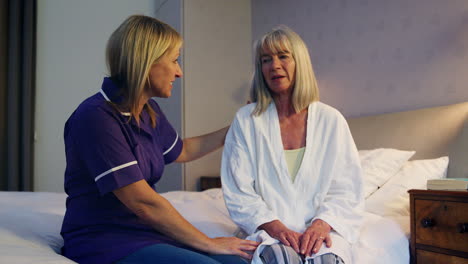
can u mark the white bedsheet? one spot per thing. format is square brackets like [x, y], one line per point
[382, 240]
[30, 227]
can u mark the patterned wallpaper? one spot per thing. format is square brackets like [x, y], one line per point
[379, 56]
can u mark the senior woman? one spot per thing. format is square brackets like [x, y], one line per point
[291, 174]
[117, 143]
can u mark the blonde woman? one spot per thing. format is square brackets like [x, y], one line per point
[117, 143]
[290, 170]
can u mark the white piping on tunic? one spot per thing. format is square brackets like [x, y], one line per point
[105, 96]
[115, 169]
[107, 99]
[128, 114]
[173, 144]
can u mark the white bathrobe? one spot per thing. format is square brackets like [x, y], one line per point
[258, 188]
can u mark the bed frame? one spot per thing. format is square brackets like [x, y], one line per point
[431, 132]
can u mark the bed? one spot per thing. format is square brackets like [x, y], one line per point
[398, 151]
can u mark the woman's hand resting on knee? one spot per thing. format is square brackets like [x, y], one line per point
[312, 239]
[232, 246]
[276, 229]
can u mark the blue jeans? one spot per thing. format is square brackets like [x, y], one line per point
[165, 253]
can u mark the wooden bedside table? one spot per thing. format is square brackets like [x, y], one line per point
[439, 226]
[208, 182]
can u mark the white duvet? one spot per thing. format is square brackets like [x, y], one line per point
[30, 227]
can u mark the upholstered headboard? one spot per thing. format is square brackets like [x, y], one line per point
[431, 132]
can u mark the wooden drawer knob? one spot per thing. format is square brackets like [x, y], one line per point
[462, 228]
[428, 222]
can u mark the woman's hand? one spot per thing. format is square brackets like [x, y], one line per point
[312, 239]
[278, 230]
[157, 212]
[233, 246]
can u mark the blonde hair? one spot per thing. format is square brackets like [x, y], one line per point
[305, 90]
[131, 51]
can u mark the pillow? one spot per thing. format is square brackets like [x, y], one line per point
[379, 165]
[393, 198]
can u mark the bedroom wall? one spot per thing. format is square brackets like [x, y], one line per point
[216, 61]
[217, 66]
[370, 57]
[379, 56]
[171, 12]
[71, 39]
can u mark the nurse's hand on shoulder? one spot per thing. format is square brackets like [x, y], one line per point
[276, 229]
[233, 246]
[314, 236]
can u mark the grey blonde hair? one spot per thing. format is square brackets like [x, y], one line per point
[305, 90]
[131, 51]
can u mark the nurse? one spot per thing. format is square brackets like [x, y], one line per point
[117, 143]
[291, 173]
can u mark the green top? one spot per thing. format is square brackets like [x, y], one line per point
[294, 160]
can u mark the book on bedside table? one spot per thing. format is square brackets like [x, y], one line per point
[448, 184]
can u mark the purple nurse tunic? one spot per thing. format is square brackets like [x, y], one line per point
[105, 150]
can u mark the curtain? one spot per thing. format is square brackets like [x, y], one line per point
[3, 88]
[19, 95]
